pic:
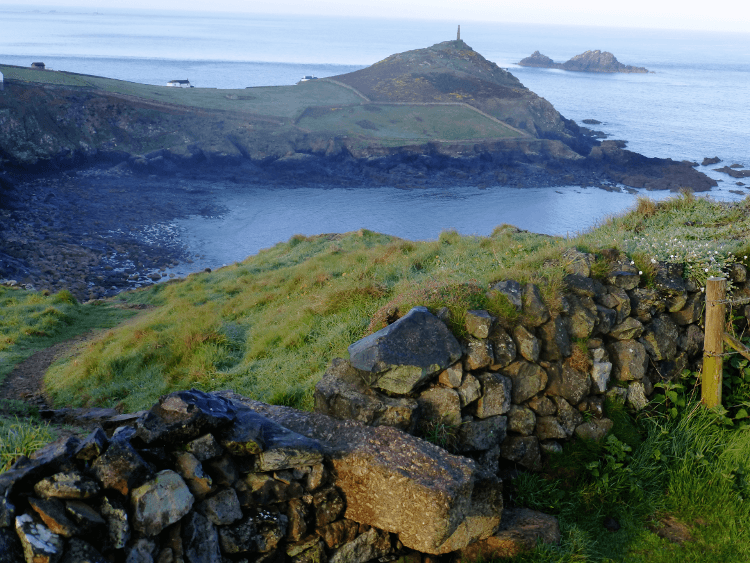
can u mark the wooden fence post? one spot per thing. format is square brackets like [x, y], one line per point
[713, 343]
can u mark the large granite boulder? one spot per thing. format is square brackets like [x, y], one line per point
[396, 482]
[404, 354]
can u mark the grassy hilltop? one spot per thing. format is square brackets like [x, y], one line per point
[673, 479]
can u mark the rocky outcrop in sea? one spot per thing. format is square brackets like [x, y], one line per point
[589, 61]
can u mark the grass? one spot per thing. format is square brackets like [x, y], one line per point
[691, 470]
[268, 326]
[409, 122]
[21, 437]
[32, 321]
[279, 101]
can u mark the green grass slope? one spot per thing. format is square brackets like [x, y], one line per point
[673, 478]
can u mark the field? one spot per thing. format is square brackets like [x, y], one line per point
[414, 122]
[278, 101]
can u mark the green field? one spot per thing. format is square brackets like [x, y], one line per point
[278, 101]
[409, 122]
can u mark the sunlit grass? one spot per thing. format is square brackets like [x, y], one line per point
[268, 327]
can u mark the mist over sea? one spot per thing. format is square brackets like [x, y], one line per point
[695, 104]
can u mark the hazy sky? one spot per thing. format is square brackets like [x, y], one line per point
[717, 15]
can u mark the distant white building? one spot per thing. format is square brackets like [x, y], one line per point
[179, 83]
[308, 77]
[2, 83]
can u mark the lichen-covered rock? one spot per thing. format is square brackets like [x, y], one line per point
[121, 467]
[52, 513]
[549, 428]
[569, 383]
[118, 525]
[528, 380]
[191, 470]
[479, 323]
[184, 415]
[496, 395]
[328, 506]
[160, 502]
[440, 404]
[204, 447]
[297, 512]
[503, 348]
[367, 546]
[223, 508]
[276, 446]
[690, 312]
[691, 340]
[524, 450]
[338, 533]
[200, 540]
[526, 343]
[568, 416]
[407, 352]
[637, 395]
[92, 446]
[535, 312]
[600, 373]
[512, 290]
[39, 544]
[542, 406]
[594, 430]
[660, 338]
[71, 485]
[477, 354]
[624, 279]
[578, 263]
[582, 318]
[629, 329]
[555, 339]
[452, 376]
[629, 360]
[11, 550]
[470, 390]
[344, 393]
[391, 481]
[645, 303]
[520, 531]
[521, 420]
[482, 434]
[607, 319]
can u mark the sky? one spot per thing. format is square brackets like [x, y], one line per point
[718, 15]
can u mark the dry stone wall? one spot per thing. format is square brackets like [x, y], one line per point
[515, 393]
[219, 478]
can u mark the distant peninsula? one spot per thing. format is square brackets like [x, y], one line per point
[590, 61]
[428, 116]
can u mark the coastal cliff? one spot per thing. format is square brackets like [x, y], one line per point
[590, 61]
[426, 114]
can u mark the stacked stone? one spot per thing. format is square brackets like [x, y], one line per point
[198, 479]
[516, 393]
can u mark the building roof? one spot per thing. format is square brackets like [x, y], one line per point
[178, 82]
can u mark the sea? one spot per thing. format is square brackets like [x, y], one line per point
[695, 103]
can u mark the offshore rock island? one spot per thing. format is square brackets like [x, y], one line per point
[590, 61]
[87, 161]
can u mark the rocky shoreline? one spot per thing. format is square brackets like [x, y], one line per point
[108, 227]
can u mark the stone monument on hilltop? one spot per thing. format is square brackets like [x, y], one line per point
[458, 35]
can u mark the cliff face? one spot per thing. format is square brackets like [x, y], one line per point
[590, 61]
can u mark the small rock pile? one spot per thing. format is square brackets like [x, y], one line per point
[516, 392]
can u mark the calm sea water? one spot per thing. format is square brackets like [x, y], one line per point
[694, 104]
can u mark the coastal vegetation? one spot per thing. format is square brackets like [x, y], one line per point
[668, 484]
